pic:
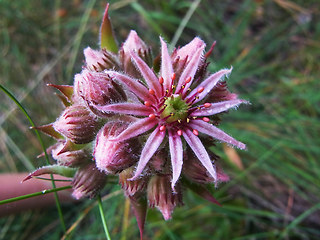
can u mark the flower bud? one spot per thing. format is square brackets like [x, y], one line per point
[99, 60]
[131, 187]
[98, 89]
[70, 158]
[78, 124]
[134, 43]
[88, 181]
[160, 194]
[113, 156]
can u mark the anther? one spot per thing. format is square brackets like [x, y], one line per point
[152, 116]
[200, 89]
[206, 105]
[188, 120]
[195, 132]
[167, 91]
[188, 79]
[194, 117]
[171, 114]
[161, 80]
[205, 119]
[147, 103]
[173, 77]
[179, 120]
[151, 91]
[179, 132]
[162, 128]
[173, 87]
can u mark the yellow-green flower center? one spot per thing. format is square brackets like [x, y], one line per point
[176, 109]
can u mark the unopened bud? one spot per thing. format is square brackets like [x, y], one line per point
[71, 158]
[113, 156]
[78, 124]
[88, 181]
[99, 60]
[160, 195]
[131, 187]
[98, 89]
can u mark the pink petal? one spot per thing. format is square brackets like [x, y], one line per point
[218, 107]
[215, 132]
[150, 147]
[198, 148]
[135, 129]
[147, 73]
[190, 69]
[166, 65]
[191, 48]
[176, 152]
[126, 108]
[208, 84]
[133, 84]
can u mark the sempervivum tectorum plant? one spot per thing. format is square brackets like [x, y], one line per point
[149, 127]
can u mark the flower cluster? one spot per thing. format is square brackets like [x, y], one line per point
[147, 121]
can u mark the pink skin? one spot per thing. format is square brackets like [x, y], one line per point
[12, 187]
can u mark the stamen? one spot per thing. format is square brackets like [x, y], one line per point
[173, 87]
[206, 105]
[161, 80]
[179, 120]
[205, 119]
[179, 132]
[188, 120]
[173, 77]
[162, 128]
[152, 116]
[147, 103]
[200, 89]
[171, 114]
[151, 91]
[195, 132]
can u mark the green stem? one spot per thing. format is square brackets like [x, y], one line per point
[10, 95]
[55, 190]
[103, 218]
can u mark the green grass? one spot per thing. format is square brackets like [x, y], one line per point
[274, 48]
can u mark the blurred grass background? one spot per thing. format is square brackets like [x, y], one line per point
[274, 47]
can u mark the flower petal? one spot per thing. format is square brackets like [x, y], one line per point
[166, 65]
[190, 70]
[198, 148]
[147, 73]
[136, 129]
[133, 84]
[176, 152]
[215, 132]
[126, 108]
[190, 48]
[217, 107]
[208, 84]
[151, 146]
